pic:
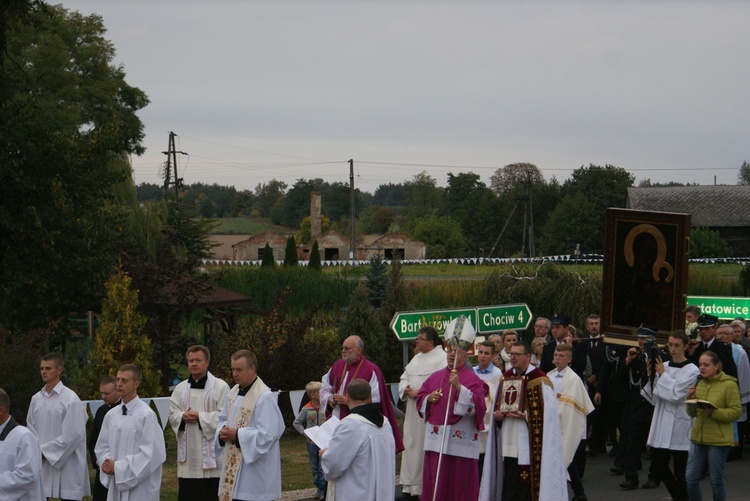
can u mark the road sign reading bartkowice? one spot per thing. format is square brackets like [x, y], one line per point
[485, 319]
[726, 308]
[406, 324]
[506, 316]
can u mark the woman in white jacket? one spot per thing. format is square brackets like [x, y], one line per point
[670, 427]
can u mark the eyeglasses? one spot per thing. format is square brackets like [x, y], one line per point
[421, 339]
[512, 355]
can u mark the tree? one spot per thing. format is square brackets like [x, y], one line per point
[579, 217]
[290, 253]
[361, 320]
[268, 259]
[708, 243]
[574, 221]
[603, 186]
[389, 195]
[377, 281]
[508, 177]
[377, 220]
[315, 257]
[305, 228]
[66, 116]
[423, 196]
[120, 337]
[744, 175]
[441, 234]
[266, 196]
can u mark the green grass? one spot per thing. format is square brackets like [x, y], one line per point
[246, 226]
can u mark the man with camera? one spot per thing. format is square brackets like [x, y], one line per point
[636, 419]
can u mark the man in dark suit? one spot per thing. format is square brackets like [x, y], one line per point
[108, 389]
[597, 353]
[560, 329]
[707, 325]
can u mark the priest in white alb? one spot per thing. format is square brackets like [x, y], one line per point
[427, 361]
[249, 429]
[194, 417]
[20, 459]
[57, 417]
[359, 463]
[130, 448]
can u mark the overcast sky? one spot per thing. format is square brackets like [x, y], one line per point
[258, 90]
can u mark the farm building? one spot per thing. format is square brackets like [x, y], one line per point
[725, 209]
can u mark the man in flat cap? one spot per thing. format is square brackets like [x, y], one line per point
[707, 325]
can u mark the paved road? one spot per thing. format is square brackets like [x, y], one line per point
[600, 484]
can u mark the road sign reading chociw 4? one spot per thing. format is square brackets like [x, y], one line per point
[486, 319]
[499, 318]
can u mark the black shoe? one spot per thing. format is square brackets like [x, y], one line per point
[629, 485]
[580, 498]
[616, 470]
[651, 484]
[405, 496]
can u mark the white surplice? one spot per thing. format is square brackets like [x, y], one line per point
[573, 405]
[200, 460]
[259, 476]
[58, 419]
[670, 424]
[493, 381]
[359, 461]
[422, 366]
[20, 466]
[136, 444]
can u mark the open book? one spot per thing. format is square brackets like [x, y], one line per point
[321, 435]
[700, 404]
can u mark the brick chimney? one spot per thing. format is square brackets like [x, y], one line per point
[314, 214]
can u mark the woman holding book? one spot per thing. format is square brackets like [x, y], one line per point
[712, 434]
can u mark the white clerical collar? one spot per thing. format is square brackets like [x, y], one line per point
[528, 369]
[560, 373]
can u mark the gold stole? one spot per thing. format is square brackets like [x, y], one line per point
[535, 409]
[241, 420]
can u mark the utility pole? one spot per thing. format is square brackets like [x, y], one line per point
[172, 162]
[352, 222]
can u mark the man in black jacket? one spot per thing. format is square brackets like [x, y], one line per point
[560, 329]
[108, 389]
[707, 325]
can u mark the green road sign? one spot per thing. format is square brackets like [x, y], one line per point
[485, 319]
[406, 324]
[498, 318]
[726, 308]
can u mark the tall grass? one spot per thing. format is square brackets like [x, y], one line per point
[308, 287]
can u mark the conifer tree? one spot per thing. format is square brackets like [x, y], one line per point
[120, 338]
[290, 253]
[268, 260]
[315, 257]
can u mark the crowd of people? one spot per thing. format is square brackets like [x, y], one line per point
[516, 426]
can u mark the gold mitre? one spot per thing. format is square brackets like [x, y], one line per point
[460, 331]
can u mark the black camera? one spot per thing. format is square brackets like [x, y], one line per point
[650, 349]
